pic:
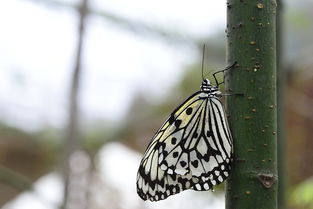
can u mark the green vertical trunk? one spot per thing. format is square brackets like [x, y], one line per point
[251, 32]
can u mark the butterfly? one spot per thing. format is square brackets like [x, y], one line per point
[192, 150]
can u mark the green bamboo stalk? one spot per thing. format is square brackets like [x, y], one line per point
[251, 31]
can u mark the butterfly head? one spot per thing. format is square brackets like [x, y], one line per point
[207, 87]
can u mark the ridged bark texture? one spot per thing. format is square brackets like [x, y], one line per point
[251, 32]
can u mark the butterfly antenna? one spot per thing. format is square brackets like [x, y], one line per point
[203, 52]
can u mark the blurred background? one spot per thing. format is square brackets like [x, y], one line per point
[85, 84]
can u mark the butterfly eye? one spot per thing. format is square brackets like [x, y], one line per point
[206, 82]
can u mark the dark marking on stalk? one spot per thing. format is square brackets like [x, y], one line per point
[267, 180]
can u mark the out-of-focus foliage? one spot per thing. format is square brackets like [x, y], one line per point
[299, 128]
[302, 195]
[96, 134]
[24, 157]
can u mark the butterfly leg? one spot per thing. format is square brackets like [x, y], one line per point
[222, 71]
[234, 94]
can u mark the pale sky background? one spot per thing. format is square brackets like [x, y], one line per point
[38, 47]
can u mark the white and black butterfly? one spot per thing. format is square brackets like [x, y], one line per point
[192, 150]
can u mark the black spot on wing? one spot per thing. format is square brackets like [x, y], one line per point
[177, 123]
[206, 157]
[183, 163]
[175, 154]
[171, 119]
[195, 163]
[189, 111]
[173, 140]
[195, 135]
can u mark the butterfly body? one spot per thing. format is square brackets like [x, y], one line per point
[192, 149]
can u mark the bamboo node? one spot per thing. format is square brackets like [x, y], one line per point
[267, 180]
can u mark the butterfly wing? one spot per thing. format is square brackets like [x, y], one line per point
[214, 149]
[192, 149]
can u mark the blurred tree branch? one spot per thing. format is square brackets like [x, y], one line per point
[73, 141]
[14, 179]
[134, 26]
